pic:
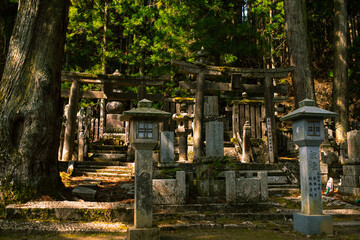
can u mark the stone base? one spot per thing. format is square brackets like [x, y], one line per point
[313, 224]
[143, 233]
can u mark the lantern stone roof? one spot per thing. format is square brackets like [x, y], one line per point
[144, 111]
[308, 109]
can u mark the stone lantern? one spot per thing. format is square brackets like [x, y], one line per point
[182, 131]
[308, 134]
[144, 135]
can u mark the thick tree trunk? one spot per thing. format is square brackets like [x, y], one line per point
[4, 4]
[303, 81]
[340, 89]
[29, 100]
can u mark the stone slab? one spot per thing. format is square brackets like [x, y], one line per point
[351, 170]
[143, 233]
[313, 224]
[248, 189]
[167, 147]
[353, 143]
[350, 181]
[164, 191]
[350, 190]
[214, 138]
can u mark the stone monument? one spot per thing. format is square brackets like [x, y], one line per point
[144, 137]
[351, 165]
[308, 134]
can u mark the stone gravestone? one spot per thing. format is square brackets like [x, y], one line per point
[351, 168]
[308, 130]
[167, 147]
[214, 138]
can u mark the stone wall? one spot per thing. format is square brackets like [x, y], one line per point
[250, 186]
[170, 191]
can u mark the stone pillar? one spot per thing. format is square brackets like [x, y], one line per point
[167, 147]
[230, 181]
[70, 125]
[199, 115]
[353, 144]
[143, 217]
[181, 186]
[214, 138]
[211, 106]
[102, 118]
[264, 192]
[246, 142]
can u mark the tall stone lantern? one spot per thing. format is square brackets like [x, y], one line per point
[308, 134]
[144, 135]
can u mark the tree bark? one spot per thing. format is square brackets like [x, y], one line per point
[340, 89]
[199, 116]
[30, 100]
[4, 5]
[295, 24]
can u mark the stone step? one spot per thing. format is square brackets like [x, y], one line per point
[99, 151]
[107, 147]
[281, 191]
[107, 156]
[104, 163]
[278, 180]
[96, 166]
[102, 174]
[284, 186]
[79, 211]
[109, 170]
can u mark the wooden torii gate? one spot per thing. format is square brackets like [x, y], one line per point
[202, 86]
[110, 83]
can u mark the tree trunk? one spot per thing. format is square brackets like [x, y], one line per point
[3, 38]
[30, 101]
[303, 81]
[340, 89]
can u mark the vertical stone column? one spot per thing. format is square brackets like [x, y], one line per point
[246, 142]
[230, 181]
[70, 125]
[143, 217]
[310, 178]
[102, 118]
[181, 186]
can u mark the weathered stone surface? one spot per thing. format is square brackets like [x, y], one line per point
[351, 170]
[264, 193]
[248, 189]
[211, 106]
[167, 147]
[350, 190]
[214, 138]
[143, 233]
[230, 181]
[350, 181]
[164, 191]
[170, 191]
[313, 224]
[115, 107]
[353, 143]
[113, 123]
[84, 192]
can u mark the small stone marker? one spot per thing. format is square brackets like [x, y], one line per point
[308, 134]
